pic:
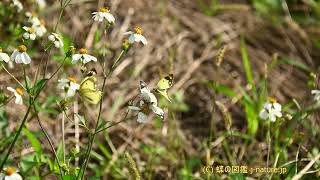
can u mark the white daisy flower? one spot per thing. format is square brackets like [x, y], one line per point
[10, 174]
[136, 36]
[30, 33]
[41, 3]
[33, 18]
[56, 39]
[83, 57]
[271, 110]
[40, 29]
[20, 55]
[18, 93]
[316, 95]
[18, 5]
[70, 85]
[4, 56]
[103, 14]
[148, 102]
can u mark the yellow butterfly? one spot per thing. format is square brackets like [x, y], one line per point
[88, 90]
[163, 85]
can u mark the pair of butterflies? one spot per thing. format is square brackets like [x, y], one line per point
[89, 92]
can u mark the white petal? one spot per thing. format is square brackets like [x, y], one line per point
[27, 59]
[110, 17]
[18, 99]
[14, 54]
[267, 105]
[26, 35]
[15, 176]
[56, 44]
[11, 89]
[51, 38]
[33, 36]
[277, 106]
[4, 57]
[71, 92]
[74, 86]
[75, 58]
[95, 17]
[273, 118]
[141, 38]
[86, 58]
[141, 117]
[264, 114]
[92, 57]
[2, 176]
[132, 39]
[315, 92]
[278, 113]
[18, 58]
[25, 28]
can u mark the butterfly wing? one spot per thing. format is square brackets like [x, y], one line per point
[88, 90]
[163, 85]
[91, 96]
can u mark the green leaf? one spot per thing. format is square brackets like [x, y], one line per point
[252, 118]
[38, 87]
[295, 63]
[247, 65]
[225, 90]
[236, 176]
[33, 140]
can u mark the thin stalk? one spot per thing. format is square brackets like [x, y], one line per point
[25, 118]
[113, 124]
[15, 137]
[63, 140]
[13, 77]
[48, 139]
[100, 111]
[269, 143]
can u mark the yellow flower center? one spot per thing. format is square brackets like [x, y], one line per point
[137, 30]
[272, 100]
[72, 79]
[22, 48]
[33, 14]
[145, 109]
[42, 22]
[19, 91]
[104, 10]
[9, 171]
[0, 50]
[30, 30]
[83, 51]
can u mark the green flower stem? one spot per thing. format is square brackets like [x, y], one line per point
[87, 159]
[31, 102]
[15, 137]
[48, 139]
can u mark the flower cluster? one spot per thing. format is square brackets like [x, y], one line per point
[147, 103]
[69, 85]
[271, 110]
